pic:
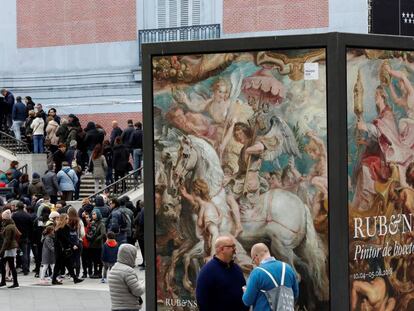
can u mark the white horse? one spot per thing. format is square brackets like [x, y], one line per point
[280, 217]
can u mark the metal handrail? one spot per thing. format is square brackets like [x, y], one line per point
[20, 146]
[116, 183]
[23, 169]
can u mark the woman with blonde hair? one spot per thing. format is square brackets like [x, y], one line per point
[64, 249]
[76, 233]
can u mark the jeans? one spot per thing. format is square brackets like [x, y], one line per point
[38, 144]
[137, 156]
[25, 248]
[16, 129]
[109, 176]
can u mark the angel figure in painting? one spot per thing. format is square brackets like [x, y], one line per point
[406, 101]
[208, 219]
[223, 107]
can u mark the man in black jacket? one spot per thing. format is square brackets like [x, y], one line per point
[126, 135]
[24, 223]
[92, 137]
[136, 146]
[9, 103]
[116, 131]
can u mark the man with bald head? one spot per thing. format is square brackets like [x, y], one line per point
[116, 131]
[220, 281]
[259, 280]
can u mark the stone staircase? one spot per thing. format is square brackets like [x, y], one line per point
[15, 146]
[88, 185]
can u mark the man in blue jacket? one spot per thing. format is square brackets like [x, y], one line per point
[259, 280]
[220, 282]
[19, 115]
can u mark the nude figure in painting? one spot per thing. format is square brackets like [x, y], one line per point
[373, 296]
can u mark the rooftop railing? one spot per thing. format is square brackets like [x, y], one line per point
[185, 33]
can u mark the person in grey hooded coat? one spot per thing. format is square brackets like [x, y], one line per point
[124, 287]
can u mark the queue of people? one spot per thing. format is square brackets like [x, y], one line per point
[65, 241]
[64, 139]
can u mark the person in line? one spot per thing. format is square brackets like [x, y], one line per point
[24, 224]
[136, 146]
[120, 162]
[48, 253]
[38, 127]
[107, 151]
[59, 156]
[99, 167]
[36, 187]
[30, 105]
[96, 235]
[8, 103]
[67, 180]
[50, 184]
[52, 140]
[76, 234]
[109, 255]
[9, 248]
[124, 287]
[220, 281]
[259, 280]
[139, 234]
[19, 115]
[116, 131]
[63, 250]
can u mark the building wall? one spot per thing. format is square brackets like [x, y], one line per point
[290, 17]
[44, 23]
[259, 15]
[83, 54]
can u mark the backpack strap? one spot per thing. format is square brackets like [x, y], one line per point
[270, 276]
[282, 280]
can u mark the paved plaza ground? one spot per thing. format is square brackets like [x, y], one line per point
[90, 295]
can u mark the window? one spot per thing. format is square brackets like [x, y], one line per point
[177, 13]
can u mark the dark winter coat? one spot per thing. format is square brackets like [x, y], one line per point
[126, 135]
[24, 223]
[62, 133]
[114, 134]
[110, 251]
[36, 187]
[9, 234]
[135, 141]
[58, 158]
[19, 112]
[9, 100]
[93, 136]
[97, 233]
[120, 158]
[50, 183]
[62, 240]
